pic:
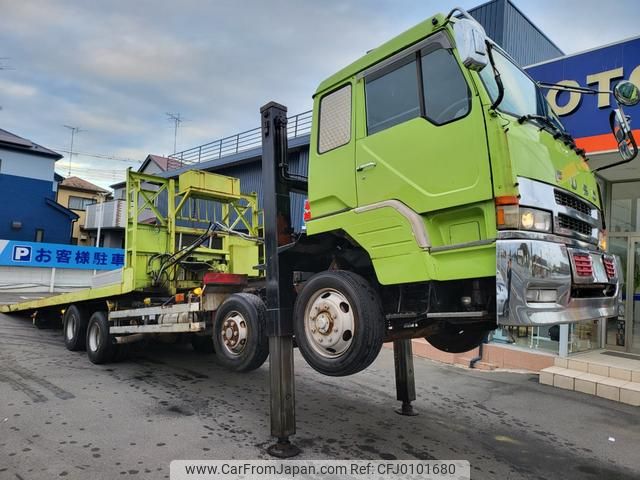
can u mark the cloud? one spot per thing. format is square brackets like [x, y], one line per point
[114, 68]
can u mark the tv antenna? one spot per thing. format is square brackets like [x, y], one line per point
[74, 131]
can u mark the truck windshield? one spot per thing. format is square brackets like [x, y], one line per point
[522, 96]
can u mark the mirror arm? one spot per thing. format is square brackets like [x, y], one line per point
[496, 76]
[567, 88]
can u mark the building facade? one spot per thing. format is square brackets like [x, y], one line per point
[77, 194]
[28, 207]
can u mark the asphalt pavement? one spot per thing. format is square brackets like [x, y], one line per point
[62, 417]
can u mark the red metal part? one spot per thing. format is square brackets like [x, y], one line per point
[584, 267]
[212, 278]
[609, 266]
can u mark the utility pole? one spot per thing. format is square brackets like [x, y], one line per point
[177, 120]
[74, 130]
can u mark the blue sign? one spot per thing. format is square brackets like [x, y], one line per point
[31, 254]
[584, 115]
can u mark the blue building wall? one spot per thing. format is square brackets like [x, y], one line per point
[31, 202]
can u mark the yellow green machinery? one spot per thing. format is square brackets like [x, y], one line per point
[191, 247]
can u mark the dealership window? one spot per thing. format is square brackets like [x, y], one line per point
[335, 120]
[625, 207]
[446, 95]
[392, 96]
[80, 203]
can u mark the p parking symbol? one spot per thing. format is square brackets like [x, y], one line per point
[21, 253]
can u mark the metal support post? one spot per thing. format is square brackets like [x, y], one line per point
[279, 276]
[405, 381]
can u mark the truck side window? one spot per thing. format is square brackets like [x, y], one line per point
[392, 97]
[446, 94]
[335, 119]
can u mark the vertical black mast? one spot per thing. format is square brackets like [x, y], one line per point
[280, 296]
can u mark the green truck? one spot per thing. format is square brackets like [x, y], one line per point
[450, 200]
[445, 198]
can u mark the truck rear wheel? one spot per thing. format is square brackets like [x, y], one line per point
[458, 338]
[75, 328]
[338, 323]
[239, 332]
[101, 346]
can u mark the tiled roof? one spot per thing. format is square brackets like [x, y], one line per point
[165, 163]
[10, 140]
[80, 184]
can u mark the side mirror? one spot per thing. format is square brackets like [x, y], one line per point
[627, 94]
[622, 132]
[471, 42]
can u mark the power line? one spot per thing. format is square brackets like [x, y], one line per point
[103, 156]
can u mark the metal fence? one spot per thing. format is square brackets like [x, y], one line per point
[297, 126]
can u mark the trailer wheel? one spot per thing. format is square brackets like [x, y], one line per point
[101, 347]
[458, 338]
[75, 328]
[339, 323]
[239, 337]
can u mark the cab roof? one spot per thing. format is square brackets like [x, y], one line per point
[405, 39]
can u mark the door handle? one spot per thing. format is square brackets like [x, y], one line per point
[365, 166]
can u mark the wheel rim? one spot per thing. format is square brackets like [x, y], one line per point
[71, 327]
[234, 333]
[94, 337]
[329, 323]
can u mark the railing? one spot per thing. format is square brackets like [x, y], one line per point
[297, 126]
[109, 214]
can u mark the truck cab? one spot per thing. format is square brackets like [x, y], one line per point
[440, 176]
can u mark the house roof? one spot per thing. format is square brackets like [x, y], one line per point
[78, 183]
[14, 142]
[164, 163]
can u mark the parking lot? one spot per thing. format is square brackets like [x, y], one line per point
[61, 416]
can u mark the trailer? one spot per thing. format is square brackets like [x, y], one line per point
[191, 258]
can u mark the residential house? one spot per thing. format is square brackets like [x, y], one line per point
[77, 194]
[28, 207]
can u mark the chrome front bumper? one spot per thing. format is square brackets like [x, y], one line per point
[537, 284]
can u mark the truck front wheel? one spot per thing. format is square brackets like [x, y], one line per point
[75, 328]
[239, 333]
[101, 346]
[338, 323]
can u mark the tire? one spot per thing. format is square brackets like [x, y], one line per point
[239, 333]
[101, 346]
[74, 328]
[458, 338]
[202, 343]
[347, 305]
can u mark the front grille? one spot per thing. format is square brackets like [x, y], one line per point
[574, 224]
[570, 201]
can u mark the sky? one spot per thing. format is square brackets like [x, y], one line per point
[115, 68]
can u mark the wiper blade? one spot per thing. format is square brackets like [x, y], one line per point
[555, 131]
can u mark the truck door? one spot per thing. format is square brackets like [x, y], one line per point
[424, 142]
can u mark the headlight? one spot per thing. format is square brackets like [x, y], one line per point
[525, 218]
